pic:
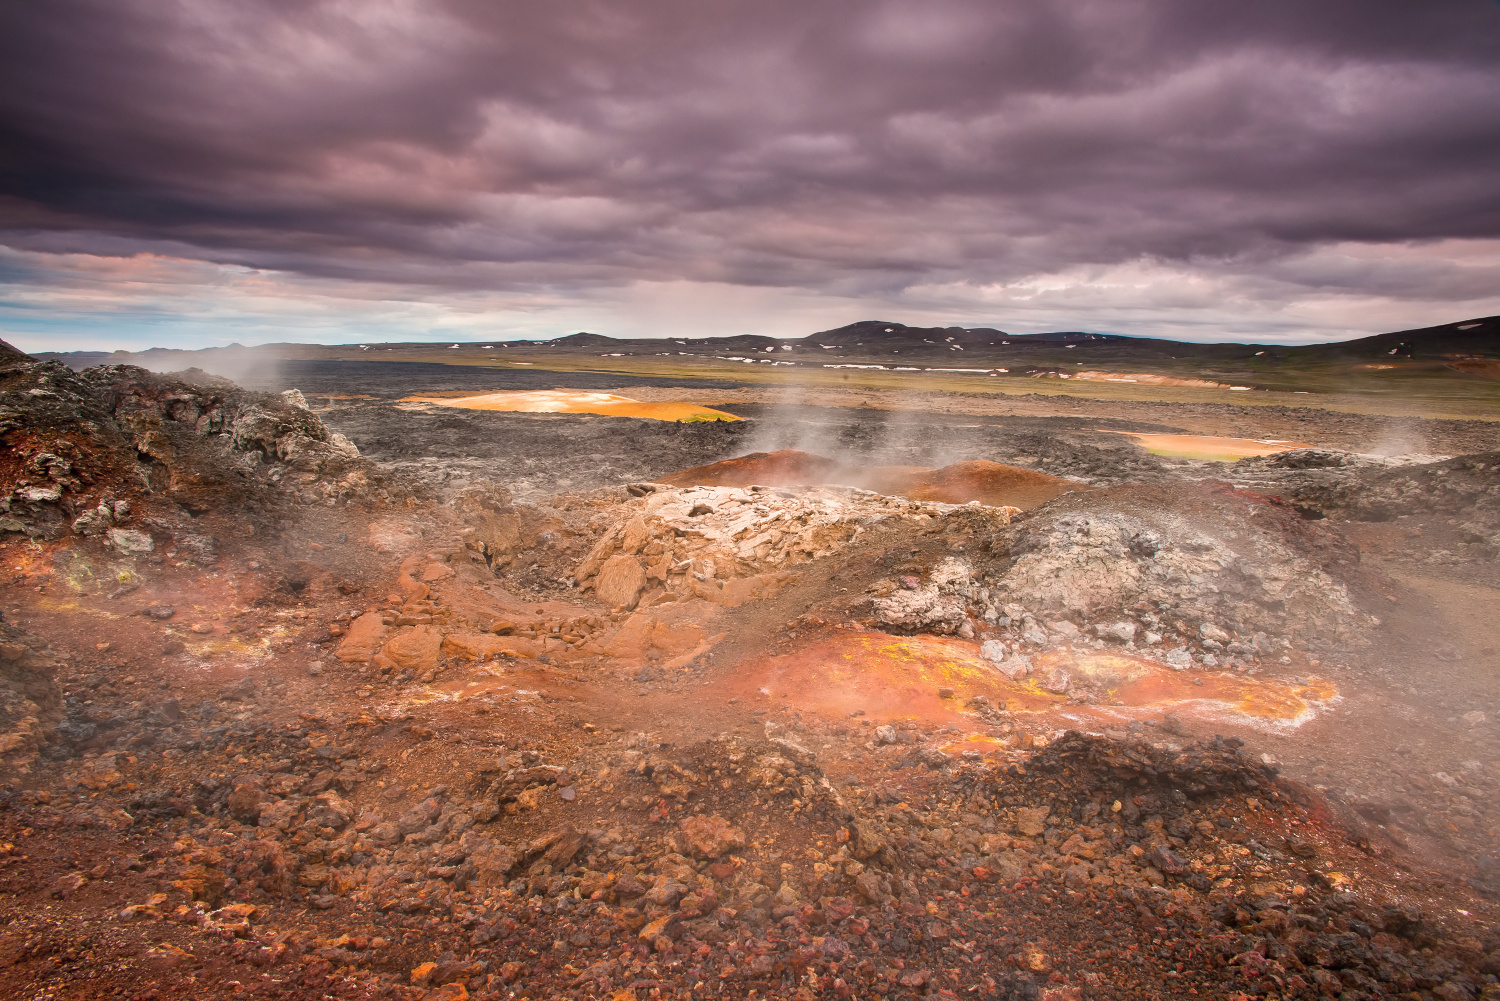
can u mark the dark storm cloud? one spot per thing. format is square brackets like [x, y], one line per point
[844, 147]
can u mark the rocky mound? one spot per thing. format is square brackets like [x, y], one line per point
[1358, 488]
[787, 466]
[1201, 572]
[722, 542]
[117, 452]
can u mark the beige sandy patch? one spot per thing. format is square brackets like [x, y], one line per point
[1194, 446]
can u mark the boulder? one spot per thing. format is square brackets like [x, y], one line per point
[245, 804]
[493, 860]
[707, 837]
[128, 540]
[415, 648]
[620, 581]
[329, 809]
[1031, 820]
[366, 635]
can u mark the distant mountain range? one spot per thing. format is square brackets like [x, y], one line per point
[1454, 364]
[1466, 339]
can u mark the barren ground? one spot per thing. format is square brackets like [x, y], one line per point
[490, 710]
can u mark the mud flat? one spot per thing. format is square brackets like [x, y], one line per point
[307, 695]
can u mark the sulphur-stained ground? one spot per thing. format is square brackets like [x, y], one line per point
[300, 699]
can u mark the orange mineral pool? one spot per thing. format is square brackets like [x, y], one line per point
[572, 401]
[908, 677]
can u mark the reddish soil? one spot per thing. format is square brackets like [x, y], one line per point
[339, 735]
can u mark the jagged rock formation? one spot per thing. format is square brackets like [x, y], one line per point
[118, 452]
[1209, 563]
[718, 539]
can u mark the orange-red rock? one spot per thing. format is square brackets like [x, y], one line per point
[477, 646]
[707, 837]
[366, 635]
[435, 572]
[663, 631]
[620, 582]
[415, 647]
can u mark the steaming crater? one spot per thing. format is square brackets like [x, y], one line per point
[992, 484]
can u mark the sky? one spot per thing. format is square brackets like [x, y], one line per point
[191, 173]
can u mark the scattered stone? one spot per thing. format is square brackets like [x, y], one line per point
[1209, 631]
[1179, 659]
[131, 541]
[708, 837]
[1030, 821]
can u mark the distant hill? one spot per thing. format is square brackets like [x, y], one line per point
[1467, 348]
[1479, 337]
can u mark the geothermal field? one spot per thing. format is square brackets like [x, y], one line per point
[885, 663]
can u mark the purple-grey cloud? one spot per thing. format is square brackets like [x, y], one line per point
[854, 149]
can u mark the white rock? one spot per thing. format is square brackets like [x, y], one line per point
[1056, 680]
[41, 495]
[343, 446]
[294, 398]
[128, 540]
[1123, 631]
[1151, 639]
[1015, 667]
[992, 650]
[95, 522]
[1064, 629]
[1209, 631]
[1033, 634]
[1178, 658]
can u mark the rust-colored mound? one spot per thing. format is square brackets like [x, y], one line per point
[990, 483]
[771, 469]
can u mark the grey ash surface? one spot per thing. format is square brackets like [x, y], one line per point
[540, 453]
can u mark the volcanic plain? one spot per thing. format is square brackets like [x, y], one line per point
[642, 670]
